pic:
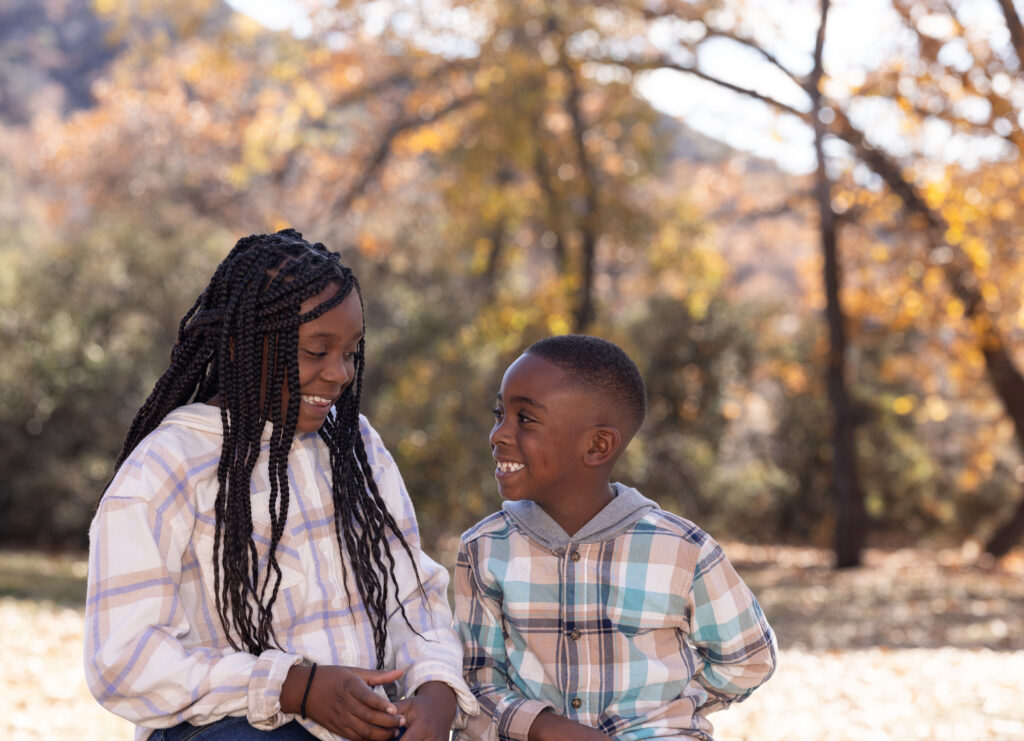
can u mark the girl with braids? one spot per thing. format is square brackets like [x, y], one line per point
[255, 566]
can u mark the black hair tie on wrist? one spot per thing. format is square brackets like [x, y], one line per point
[305, 695]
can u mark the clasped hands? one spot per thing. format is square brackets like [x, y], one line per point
[342, 700]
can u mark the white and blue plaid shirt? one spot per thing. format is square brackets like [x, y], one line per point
[155, 650]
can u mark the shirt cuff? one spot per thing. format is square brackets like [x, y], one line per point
[265, 685]
[435, 671]
[515, 722]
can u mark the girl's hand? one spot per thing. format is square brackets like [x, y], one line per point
[342, 701]
[429, 713]
[549, 726]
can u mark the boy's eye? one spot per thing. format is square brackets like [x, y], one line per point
[498, 412]
[524, 418]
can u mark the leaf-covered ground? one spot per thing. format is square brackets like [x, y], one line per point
[917, 644]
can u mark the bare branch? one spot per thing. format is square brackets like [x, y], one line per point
[665, 63]
[376, 161]
[801, 82]
[400, 79]
[1013, 25]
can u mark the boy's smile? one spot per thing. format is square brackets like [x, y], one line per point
[542, 433]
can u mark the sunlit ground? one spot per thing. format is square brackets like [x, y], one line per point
[918, 644]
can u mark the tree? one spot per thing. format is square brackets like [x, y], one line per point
[978, 77]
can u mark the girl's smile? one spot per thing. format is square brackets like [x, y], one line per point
[328, 347]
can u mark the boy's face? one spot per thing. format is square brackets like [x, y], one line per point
[541, 432]
[327, 357]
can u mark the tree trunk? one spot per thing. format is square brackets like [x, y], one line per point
[585, 312]
[1009, 386]
[848, 498]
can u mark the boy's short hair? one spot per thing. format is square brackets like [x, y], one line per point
[599, 366]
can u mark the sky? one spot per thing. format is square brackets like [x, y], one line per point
[871, 30]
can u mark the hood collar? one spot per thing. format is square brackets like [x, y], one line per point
[626, 508]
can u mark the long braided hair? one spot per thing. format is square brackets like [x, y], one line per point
[238, 346]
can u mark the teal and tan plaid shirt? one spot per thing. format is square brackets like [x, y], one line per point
[639, 635]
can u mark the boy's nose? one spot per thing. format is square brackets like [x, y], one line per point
[498, 436]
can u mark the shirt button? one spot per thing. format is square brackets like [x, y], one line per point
[575, 556]
[575, 634]
[576, 702]
[336, 602]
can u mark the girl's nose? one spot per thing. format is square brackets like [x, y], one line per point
[338, 371]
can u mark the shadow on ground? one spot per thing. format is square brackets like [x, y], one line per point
[900, 598]
[43, 577]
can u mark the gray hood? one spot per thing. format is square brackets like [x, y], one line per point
[626, 508]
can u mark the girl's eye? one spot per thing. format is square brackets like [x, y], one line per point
[315, 354]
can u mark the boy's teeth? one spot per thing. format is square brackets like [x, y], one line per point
[510, 467]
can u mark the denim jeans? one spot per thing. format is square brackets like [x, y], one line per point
[231, 729]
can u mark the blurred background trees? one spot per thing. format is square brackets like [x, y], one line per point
[494, 174]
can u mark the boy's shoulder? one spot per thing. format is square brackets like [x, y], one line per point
[671, 524]
[495, 524]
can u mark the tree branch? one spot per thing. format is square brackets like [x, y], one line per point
[380, 155]
[656, 63]
[1013, 25]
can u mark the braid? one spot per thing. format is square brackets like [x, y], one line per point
[238, 344]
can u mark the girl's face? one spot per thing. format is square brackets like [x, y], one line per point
[328, 346]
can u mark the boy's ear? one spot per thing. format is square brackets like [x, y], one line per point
[605, 442]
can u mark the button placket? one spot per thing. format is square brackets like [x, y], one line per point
[570, 570]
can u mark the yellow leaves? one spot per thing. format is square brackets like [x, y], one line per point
[904, 405]
[794, 378]
[370, 246]
[936, 408]
[955, 309]
[425, 139]
[731, 409]
[558, 324]
[1004, 210]
[879, 253]
[934, 194]
[912, 303]
[977, 252]
[933, 279]
[310, 100]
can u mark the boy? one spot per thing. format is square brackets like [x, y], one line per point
[586, 611]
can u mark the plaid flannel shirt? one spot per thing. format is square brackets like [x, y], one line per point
[639, 635]
[155, 650]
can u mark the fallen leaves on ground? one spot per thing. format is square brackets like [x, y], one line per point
[916, 644]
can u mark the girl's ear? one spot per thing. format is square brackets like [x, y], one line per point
[605, 442]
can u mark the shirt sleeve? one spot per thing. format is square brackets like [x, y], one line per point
[136, 664]
[478, 614]
[424, 641]
[729, 631]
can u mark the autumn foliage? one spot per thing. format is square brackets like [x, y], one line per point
[494, 175]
